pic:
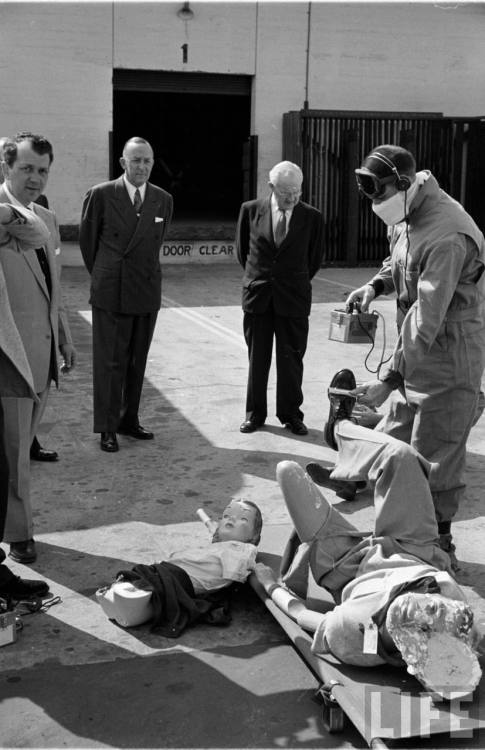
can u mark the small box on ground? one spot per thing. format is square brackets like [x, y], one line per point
[8, 628]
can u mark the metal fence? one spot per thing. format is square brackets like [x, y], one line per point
[330, 145]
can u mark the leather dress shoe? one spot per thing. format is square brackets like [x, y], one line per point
[109, 442]
[341, 404]
[22, 588]
[297, 426]
[321, 476]
[23, 552]
[135, 431]
[38, 453]
[250, 425]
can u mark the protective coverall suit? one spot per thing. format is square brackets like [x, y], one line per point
[436, 266]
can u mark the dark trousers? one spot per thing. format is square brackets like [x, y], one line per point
[6, 574]
[120, 350]
[291, 336]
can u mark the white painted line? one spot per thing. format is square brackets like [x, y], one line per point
[336, 283]
[210, 325]
[226, 334]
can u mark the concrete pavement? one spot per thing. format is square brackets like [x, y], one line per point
[75, 679]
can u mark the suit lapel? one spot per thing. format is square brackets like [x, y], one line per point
[295, 228]
[123, 205]
[33, 261]
[264, 222]
[147, 216]
[30, 256]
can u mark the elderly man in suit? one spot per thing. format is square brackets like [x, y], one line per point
[21, 230]
[280, 246]
[122, 228]
[34, 293]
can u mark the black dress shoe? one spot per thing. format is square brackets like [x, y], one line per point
[341, 404]
[21, 588]
[23, 552]
[250, 425]
[297, 426]
[109, 442]
[321, 476]
[135, 431]
[38, 453]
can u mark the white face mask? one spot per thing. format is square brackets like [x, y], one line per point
[395, 209]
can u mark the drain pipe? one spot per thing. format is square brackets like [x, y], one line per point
[307, 71]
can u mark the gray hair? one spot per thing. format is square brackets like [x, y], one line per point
[285, 169]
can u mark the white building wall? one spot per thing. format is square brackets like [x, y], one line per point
[363, 56]
[279, 84]
[421, 57]
[220, 37]
[55, 79]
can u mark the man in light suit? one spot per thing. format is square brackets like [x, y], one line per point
[279, 242]
[22, 230]
[34, 294]
[37, 452]
[122, 228]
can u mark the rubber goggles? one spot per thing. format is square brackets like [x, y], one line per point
[370, 185]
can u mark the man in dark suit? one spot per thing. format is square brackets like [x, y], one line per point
[279, 244]
[122, 228]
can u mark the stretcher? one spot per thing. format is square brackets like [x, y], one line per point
[384, 703]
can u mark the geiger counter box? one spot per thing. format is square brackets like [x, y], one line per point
[8, 628]
[352, 327]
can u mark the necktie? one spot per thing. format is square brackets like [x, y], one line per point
[44, 264]
[137, 202]
[280, 231]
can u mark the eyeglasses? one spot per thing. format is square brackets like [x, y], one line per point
[288, 193]
[370, 185]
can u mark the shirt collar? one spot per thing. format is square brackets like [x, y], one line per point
[275, 210]
[132, 189]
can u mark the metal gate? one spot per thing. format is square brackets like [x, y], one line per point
[329, 145]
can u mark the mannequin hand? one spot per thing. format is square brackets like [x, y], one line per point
[265, 575]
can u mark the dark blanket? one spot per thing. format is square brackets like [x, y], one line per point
[176, 606]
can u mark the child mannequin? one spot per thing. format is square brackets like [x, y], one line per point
[142, 595]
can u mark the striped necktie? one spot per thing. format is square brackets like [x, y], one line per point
[137, 202]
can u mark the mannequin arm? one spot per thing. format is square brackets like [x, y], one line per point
[290, 604]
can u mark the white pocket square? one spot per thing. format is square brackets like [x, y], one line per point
[158, 219]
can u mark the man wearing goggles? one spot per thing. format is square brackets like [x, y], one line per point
[371, 185]
[436, 268]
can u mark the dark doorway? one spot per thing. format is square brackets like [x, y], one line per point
[198, 140]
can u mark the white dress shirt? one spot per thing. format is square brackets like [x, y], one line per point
[132, 189]
[275, 214]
